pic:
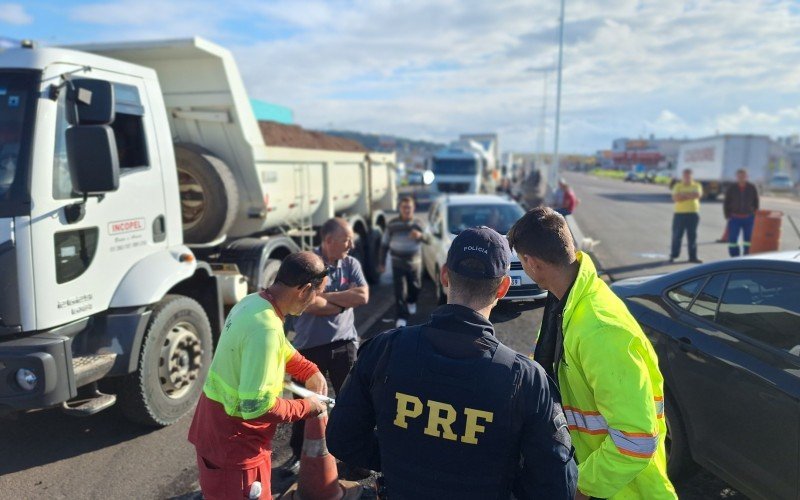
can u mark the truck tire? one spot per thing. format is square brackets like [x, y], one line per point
[209, 195]
[373, 256]
[269, 273]
[359, 251]
[173, 363]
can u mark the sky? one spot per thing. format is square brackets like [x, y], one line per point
[433, 69]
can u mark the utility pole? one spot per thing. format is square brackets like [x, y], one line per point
[542, 125]
[553, 177]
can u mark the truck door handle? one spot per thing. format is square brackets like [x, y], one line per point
[159, 229]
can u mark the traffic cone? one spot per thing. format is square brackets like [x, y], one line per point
[319, 476]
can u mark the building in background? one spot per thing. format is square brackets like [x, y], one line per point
[647, 154]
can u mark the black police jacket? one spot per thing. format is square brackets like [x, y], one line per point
[445, 410]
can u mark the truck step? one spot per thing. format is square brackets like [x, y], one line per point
[91, 368]
[85, 406]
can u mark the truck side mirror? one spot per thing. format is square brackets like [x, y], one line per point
[90, 102]
[93, 161]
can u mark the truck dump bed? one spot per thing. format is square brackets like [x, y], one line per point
[208, 105]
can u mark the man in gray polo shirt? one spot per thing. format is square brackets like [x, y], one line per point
[403, 240]
[325, 333]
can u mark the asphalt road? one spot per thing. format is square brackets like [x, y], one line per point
[47, 454]
[633, 224]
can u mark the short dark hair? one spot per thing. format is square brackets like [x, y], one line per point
[543, 233]
[407, 199]
[301, 268]
[332, 226]
[477, 292]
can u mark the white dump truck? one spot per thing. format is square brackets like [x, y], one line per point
[137, 199]
[715, 160]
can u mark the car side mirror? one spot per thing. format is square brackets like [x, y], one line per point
[90, 102]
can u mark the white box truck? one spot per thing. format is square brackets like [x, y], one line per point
[466, 166]
[715, 160]
[135, 186]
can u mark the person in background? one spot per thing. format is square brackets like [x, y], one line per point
[686, 194]
[403, 240]
[565, 199]
[604, 365]
[240, 406]
[740, 206]
[326, 332]
[444, 409]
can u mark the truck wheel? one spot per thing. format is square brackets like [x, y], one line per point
[268, 274]
[373, 256]
[359, 251]
[679, 459]
[209, 195]
[173, 364]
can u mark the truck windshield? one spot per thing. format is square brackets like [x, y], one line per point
[498, 217]
[454, 167]
[17, 107]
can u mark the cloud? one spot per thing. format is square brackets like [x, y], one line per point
[436, 69]
[745, 119]
[14, 13]
[151, 19]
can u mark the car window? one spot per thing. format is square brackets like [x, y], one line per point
[498, 217]
[682, 295]
[705, 305]
[764, 306]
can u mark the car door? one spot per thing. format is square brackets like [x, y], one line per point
[736, 370]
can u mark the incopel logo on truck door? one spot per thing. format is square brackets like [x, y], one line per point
[126, 226]
[127, 234]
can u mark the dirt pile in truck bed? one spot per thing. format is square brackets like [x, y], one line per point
[293, 136]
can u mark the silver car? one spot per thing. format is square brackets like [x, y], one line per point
[451, 214]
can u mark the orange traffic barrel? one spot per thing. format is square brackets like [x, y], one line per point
[766, 231]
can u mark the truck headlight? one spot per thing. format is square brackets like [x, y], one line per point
[27, 379]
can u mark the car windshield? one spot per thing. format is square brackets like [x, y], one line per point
[454, 167]
[17, 104]
[499, 217]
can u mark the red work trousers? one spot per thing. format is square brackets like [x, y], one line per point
[231, 484]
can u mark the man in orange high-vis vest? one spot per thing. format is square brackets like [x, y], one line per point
[241, 405]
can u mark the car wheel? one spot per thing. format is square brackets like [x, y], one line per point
[680, 464]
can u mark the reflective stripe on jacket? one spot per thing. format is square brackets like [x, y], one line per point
[613, 395]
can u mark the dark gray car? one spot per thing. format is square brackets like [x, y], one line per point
[727, 336]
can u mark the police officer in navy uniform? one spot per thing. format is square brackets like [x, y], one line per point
[444, 410]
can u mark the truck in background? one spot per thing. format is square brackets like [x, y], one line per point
[715, 160]
[137, 200]
[466, 166]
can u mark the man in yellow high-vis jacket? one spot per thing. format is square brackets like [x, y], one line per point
[607, 370]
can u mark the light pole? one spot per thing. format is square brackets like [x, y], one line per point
[553, 170]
